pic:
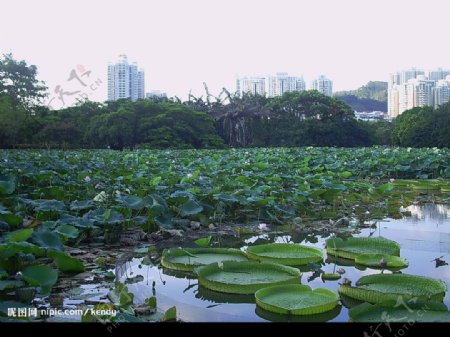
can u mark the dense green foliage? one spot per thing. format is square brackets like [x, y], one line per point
[423, 127]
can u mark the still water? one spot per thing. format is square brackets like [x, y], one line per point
[424, 235]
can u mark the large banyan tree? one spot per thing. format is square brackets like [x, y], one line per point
[294, 119]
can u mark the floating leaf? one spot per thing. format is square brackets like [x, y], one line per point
[151, 302]
[285, 253]
[296, 299]
[354, 246]
[381, 261]
[245, 277]
[189, 258]
[382, 287]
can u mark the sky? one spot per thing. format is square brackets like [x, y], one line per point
[182, 43]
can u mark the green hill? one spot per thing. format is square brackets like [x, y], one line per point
[370, 97]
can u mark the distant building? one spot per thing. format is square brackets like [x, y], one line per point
[411, 88]
[442, 92]
[251, 85]
[125, 80]
[323, 85]
[271, 85]
[156, 93]
[280, 83]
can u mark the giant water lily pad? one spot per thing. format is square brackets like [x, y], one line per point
[189, 258]
[245, 277]
[285, 253]
[400, 312]
[296, 299]
[383, 287]
[354, 246]
[381, 260]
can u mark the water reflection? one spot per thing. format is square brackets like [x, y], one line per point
[423, 236]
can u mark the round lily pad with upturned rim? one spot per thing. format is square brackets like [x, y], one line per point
[285, 253]
[296, 299]
[188, 259]
[245, 277]
[383, 287]
[377, 261]
[354, 246]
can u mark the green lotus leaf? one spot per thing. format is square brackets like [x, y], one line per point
[245, 277]
[190, 207]
[11, 219]
[42, 205]
[66, 262]
[190, 258]
[19, 235]
[296, 299]
[42, 276]
[67, 231]
[47, 239]
[381, 260]
[81, 205]
[131, 201]
[285, 253]
[7, 184]
[400, 312]
[382, 287]
[354, 246]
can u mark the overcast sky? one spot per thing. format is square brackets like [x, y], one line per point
[183, 43]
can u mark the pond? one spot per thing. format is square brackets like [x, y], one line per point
[423, 234]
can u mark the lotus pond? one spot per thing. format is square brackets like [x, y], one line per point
[423, 234]
[110, 230]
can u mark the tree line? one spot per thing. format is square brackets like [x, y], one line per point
[295, 119]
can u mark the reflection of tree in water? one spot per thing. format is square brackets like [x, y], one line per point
[431, 212]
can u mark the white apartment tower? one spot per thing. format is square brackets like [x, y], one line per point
[280, 83]
[442, 92]
[411, 88]
[323, 85]
[125, 80]
[251, 85]
[272, 85]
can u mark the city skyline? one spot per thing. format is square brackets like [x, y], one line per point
[181, 44]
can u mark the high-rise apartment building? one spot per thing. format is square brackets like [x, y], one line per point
[411, 88]
[251, 85]
[125, 80]
[272, 85]
[442, 92]
[323, 85]
[280, 83]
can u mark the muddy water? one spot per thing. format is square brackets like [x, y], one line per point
[424, 234]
